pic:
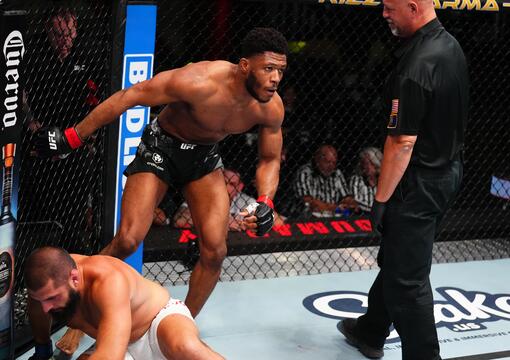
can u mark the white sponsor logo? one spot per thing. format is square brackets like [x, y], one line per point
[157, 158]
[462, 310]
[138, 71]
[13, 50]
[187, 146]
[155, 166]
[137, 68]
[51, 140]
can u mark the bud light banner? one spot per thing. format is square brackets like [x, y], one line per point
[139, 44]
[12, 37]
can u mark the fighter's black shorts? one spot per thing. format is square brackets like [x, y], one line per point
[173, 161]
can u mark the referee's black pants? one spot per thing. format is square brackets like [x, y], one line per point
[401, 293]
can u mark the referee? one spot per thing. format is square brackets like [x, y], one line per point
[427, 99]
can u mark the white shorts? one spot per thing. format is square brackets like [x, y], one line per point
[147, 346]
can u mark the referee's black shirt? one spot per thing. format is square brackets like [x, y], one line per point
[427, 95]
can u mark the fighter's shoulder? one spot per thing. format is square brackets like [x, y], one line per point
[105, 272]
[273, 111]
[100, 266]
[214, 73]
[217, 67]
[200, 77]
[78, 258]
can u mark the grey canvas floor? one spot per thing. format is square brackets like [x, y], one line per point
[268, 319]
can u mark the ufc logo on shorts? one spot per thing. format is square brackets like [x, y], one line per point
[188, 146]
[51, 140]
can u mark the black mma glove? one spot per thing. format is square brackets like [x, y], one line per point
[51, 141]
[376, 215]
[43, 352]
[264, 214]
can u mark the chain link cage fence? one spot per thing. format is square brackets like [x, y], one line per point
[66, 74]
[340, 57]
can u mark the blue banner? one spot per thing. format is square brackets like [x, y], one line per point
[138, 66]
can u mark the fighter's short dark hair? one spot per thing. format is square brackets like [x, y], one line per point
[47, 263]
[260, 40]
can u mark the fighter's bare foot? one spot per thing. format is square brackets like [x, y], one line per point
[69, 343]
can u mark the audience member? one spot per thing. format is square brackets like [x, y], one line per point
[69, 86]
[61, 30]
[363, 183]
[322, 186]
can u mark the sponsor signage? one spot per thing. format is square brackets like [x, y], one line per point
[304, 229]
[12, 44]
[461, 311]
[466, 5]
[139, 42]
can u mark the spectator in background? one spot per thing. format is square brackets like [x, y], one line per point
[363, 183]
[68, 69]
[65, 88]
[70, 73]
[321, 185]
[61, 28]
[238, 202]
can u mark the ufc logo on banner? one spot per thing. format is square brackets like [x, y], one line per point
[187, 146]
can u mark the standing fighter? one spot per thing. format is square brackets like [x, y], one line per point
[427, 98]
[205, 102]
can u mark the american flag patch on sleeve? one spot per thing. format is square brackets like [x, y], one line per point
[392, 124]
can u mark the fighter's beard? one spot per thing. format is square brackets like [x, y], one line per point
[66, 313]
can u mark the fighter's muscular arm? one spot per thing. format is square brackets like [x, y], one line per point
[268, 169]
[397, 154]
[114, 328]
[166, 87]
[270, 147]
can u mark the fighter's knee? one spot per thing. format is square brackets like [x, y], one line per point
[185, 348]
[125, 244]
[213, 257]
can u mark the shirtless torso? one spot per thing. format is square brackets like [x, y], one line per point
[107, 299]
[216, 111]
[101, 276]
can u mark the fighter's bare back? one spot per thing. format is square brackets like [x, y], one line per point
[103, 275]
